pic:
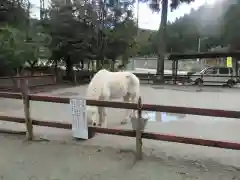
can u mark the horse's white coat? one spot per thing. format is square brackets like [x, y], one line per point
[106, 85]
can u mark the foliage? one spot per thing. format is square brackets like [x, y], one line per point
[162, 32]
[12, 21]
[11, 47]
[120, 37]
[80, 34]
[77, 32]
[217, 28]
[146, 41]
[231, 25]
[18, 36]
[13, 12]
[72, 33]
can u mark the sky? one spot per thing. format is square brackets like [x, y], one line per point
[147, 18]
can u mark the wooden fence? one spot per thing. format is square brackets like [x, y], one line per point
[13, 83]
[130, 133]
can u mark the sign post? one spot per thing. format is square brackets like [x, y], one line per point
[229, 62]
[79, 118]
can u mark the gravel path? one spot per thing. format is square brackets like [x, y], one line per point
[58, 161]
[159, 154]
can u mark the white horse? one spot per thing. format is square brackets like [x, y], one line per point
[106, 85]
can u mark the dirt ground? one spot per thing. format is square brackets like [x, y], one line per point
[21, 160]
[110, 157]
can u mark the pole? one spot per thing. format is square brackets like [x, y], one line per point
[199, 49]
[137, 17]
[26, 102]
[162, 43]
[199, 44]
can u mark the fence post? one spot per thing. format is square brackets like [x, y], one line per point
[26, 102]
[139, 132]
[54, 79]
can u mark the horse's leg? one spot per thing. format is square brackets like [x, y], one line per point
[102, 115]
[128, 112]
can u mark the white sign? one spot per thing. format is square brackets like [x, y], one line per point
[79, 118]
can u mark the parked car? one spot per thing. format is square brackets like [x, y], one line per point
[214, 76]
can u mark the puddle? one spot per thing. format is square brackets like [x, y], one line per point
[162, 116]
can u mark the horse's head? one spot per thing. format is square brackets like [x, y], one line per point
[92, 116]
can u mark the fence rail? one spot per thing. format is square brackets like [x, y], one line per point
[123, 105]
[25, 77]
[132, 133]
[13, 83]
[139, 134]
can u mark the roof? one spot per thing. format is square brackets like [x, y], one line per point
[178, 56]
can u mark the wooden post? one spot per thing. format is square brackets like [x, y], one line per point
[139, 132]
[55, 79]
[26, 102]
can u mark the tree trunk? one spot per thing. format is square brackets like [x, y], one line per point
[102, 63]
[93, 65]
[32, 66]
[162, 42]
[125, 60]
[113, 65]
[98, 65]
[56, 69]
[82, 64]
[69, 68]
[88, 64]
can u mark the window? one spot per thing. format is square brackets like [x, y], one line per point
[223, 71]
[211, 71]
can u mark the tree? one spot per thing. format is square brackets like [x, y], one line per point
[218, 28]
[14, 47]
[184, 32]
[81, 32]
[182, 35]
[72, 33]
[146, 42]
[13, 13]
[155, 5]
[76, 32]
[121, 34]
[231, 25]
